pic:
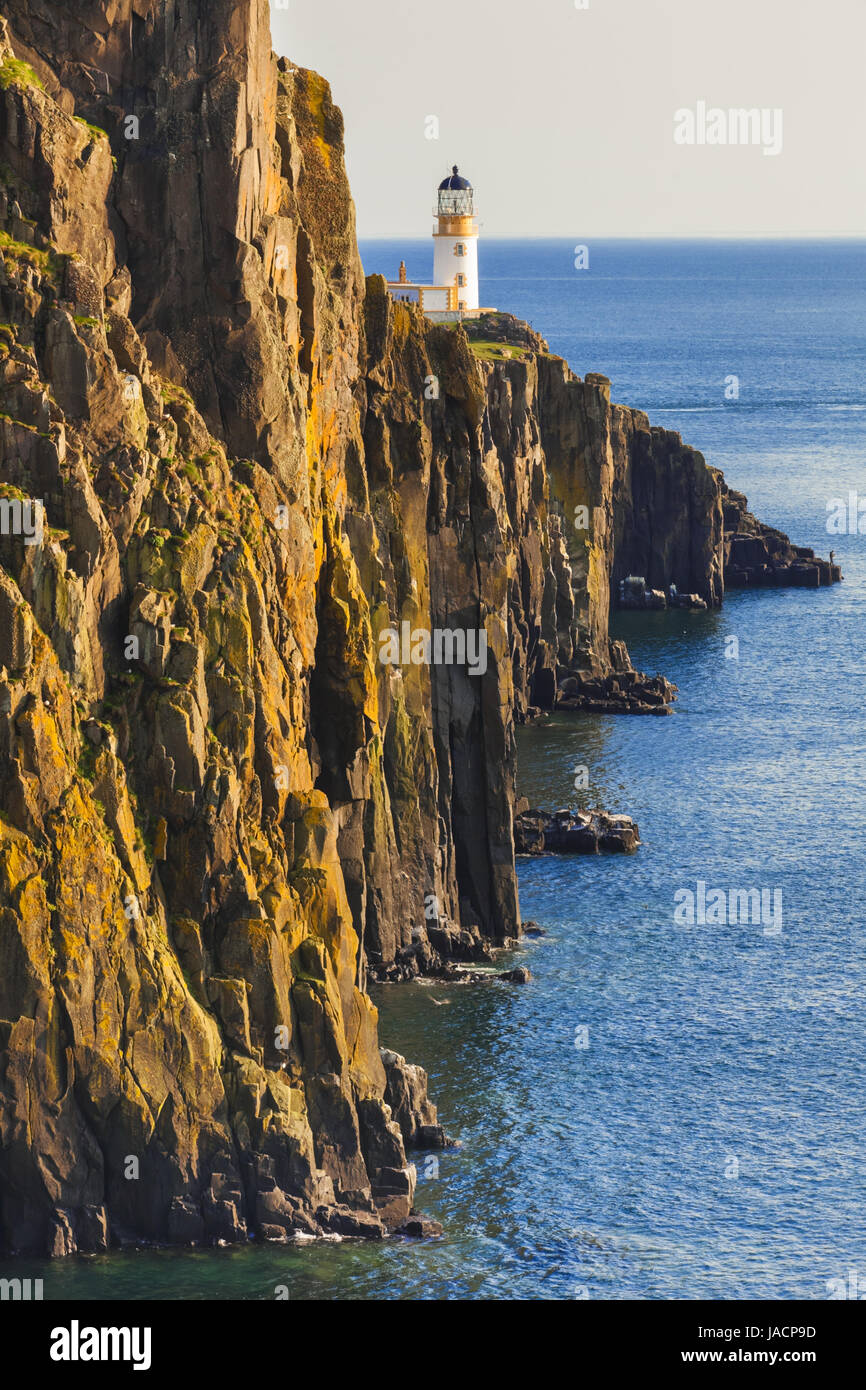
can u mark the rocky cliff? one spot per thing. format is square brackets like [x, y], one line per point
[232, 476]
[197, 744]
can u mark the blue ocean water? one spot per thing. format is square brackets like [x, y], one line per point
[708, 1140]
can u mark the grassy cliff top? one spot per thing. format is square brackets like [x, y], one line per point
[500, 329]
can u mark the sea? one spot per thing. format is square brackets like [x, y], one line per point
[665, 1110]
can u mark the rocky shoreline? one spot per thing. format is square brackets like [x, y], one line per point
[758, 556]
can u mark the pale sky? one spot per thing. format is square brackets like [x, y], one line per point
[564, 118]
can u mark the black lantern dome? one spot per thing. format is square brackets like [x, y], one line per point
[455, 196]
[455, 180]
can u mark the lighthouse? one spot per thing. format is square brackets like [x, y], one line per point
[454, 292]
[455, 241]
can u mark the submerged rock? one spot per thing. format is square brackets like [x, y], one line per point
[419, 1228]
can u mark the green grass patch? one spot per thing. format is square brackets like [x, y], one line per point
[96, 132]
[87, 761]
[171, 392]
[495, 352]
[20, 251]
[16, 73]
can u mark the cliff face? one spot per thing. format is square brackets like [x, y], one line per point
[654, 505]
[220, 805]
[192, 718]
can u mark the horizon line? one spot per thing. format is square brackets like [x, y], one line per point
[617, 236]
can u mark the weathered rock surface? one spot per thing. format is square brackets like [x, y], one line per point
[420, 1227]
[634, 595]
[758, 556]
[411, 1111]
[574, 832]
[196, 740]
[629, 692]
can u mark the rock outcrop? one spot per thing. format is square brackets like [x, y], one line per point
[758, 556]
[235, 479]
[634, 595]
[574, 832]
[623, 691]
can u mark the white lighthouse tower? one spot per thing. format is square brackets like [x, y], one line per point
[455, 242]
[454, 292]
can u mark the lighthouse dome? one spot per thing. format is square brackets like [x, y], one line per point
[455, 180]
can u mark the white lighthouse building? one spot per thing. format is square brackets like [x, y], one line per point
[455, 241]
[454, 292]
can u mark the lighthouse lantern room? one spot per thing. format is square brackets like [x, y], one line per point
[454, 292]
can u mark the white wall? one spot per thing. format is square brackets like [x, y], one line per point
[447, 266]
[435, 299]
